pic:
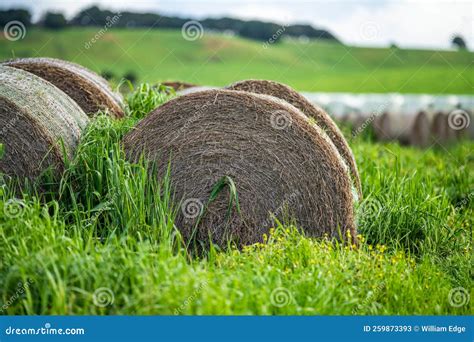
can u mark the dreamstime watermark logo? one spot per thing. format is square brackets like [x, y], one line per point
[20, 290]
[281, 119]
[46, 330]
[14, 30]
[192, 30]
[199, 111]
[106, 206]
[371, 208]
[13, 208]
[458, 297]
[371, 296]
[190, 299]
[192, 208]
[369, 30]
[465, 201]
[377, 112]
[458, 119]
[109, 22]
[275, 36]
[103, 122]
[103, 297]
[287, 202]
[280, 297]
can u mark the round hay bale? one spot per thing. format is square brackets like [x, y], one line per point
[439, 128]
[323, 120]
[378, 126]
[359, 123]
[470, 126]
[36, 120]
[279, 161]
[447, 128]
[90, 91]
[407, 129]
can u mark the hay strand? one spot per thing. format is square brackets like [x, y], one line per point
[281, 164]
[90, 91]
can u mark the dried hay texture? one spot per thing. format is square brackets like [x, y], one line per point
[279, 161]
[90, 91]
[323, 120]
[36, 121]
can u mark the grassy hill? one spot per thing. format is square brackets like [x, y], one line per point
[156, 55]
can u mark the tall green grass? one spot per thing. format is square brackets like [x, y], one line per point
[102, 240]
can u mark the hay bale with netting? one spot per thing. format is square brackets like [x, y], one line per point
[279, 161]
[90, 91]
[323, 120]
[408, 129]
[37, 123]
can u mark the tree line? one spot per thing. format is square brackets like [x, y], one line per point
[253, 29]
[94, 16]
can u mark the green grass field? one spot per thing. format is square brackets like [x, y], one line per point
[158, 55]
[101, 240]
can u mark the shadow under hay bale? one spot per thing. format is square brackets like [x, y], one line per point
[408, 129]
[36, 118]
[322, 119]
[279, 161]
[90, 91]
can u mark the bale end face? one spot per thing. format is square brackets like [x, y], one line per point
[281, 165]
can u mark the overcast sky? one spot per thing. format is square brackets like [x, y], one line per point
[408, 23]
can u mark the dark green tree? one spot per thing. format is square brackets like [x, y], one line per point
[459, 42]
[21, 15]
[54, 20]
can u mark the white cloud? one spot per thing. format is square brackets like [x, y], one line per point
[408, 23]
